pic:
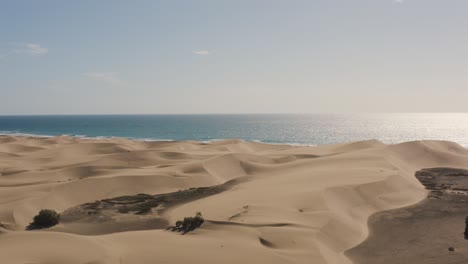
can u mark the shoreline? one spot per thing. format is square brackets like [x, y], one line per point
[84, 137]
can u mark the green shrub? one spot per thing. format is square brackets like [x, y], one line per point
[188, 224]
[45, 219]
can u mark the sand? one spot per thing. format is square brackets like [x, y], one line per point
[429, 232]
[283, 204]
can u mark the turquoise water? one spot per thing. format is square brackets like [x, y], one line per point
[309, 129]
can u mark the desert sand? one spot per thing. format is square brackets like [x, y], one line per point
[429, 232]
[270, 204]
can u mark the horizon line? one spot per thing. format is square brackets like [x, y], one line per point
[261, 113]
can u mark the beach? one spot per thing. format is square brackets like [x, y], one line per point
[262, 203]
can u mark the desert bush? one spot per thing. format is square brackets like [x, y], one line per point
[45, 219]
[188, 224]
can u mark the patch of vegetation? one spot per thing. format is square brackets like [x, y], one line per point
[143, 208]
[188, 224]
[147, 206]
[142, 204]
[466, 228]
[45, 219]
[123, 209]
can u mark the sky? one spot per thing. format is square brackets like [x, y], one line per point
[238, 56]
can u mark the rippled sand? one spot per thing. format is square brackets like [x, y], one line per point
[288, 204]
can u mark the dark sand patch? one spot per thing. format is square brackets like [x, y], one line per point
[422, 233]
[131, 212]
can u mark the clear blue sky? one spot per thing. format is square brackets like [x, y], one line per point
[181, 56]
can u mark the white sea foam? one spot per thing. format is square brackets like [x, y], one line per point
[85, 137]
[18, 134]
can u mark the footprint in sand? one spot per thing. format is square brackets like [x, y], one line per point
[245, 210]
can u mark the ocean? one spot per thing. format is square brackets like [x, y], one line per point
[303, 129]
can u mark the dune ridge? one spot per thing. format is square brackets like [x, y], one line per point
[298, 205]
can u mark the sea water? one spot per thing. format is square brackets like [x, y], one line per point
[307, 129]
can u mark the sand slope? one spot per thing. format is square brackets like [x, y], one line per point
[296, 204]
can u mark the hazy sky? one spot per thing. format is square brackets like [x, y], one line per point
[82, 57]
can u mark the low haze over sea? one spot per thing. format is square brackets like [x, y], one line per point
[309, 129]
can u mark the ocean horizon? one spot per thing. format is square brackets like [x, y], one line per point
[302, 129]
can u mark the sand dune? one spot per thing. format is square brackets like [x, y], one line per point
[429, 232]
[294, 205]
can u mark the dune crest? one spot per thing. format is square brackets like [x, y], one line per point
[294, 204]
